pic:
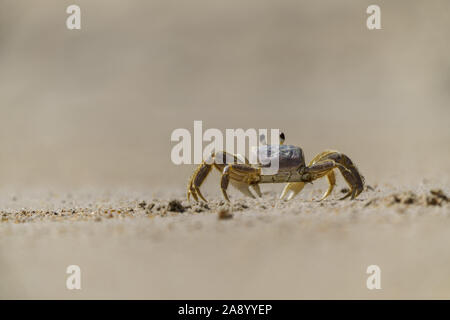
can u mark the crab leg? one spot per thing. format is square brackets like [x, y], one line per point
[334, 159]
[224, 182]
[242, 187]
[202, 172]
[295, 188]
[323, 165]
[292, 189]
[242, 176]
[331, 183]
[196, 181]
[350, 173]
[330, 176]
[257, 190]
[238, 180]
[351, 181]
[240, 173]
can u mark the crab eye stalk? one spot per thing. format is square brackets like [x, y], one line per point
[282, 138]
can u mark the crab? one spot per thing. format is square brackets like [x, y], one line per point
[291, 170]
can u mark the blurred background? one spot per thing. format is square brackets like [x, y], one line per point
[97, 106]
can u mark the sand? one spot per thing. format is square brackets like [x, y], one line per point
[135, 246]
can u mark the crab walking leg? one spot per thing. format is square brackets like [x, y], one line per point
[294, 188]
[318, 170]
[224, 182]
[237, 180]
[196, 181]
[331, 183]
[350, 173]
[242, 187]
[240, 173]
[218, 160]
[332, 159]
[241, 178]
[350, 179]
[321, 168]
[257, 190]
[331, 177]
[201, 173]
[291, 190]
[325, 167]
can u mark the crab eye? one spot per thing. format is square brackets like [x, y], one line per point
[282, 138]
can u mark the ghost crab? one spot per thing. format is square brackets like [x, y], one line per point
[292, 170]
